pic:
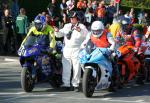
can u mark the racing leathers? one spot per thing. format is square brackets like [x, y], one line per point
[104, 41]
[48, 31]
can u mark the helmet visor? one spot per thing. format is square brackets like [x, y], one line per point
[39, 26]
[97, 32]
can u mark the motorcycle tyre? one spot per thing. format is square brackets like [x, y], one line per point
[25, 81]
[88, 89]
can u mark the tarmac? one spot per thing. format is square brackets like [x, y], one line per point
[9, 58]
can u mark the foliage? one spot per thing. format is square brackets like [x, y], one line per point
[136, 3]
[33, 7]
[140, 27]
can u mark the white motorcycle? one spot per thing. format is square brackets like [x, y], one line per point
[97, 70]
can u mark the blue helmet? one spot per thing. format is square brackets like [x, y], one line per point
[39, 22]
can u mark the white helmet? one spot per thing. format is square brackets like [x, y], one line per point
[97, 28]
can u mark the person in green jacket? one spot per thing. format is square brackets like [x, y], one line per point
[21, 26]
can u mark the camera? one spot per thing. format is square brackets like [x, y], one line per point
[69, 35]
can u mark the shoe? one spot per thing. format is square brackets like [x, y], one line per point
[66, 89]
[111, 89]
[76, 89]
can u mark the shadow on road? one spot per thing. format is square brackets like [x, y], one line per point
[129, 91]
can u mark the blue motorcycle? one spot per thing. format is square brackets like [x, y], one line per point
[97, 69]
[37, 63]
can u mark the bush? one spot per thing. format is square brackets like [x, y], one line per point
[140, 27]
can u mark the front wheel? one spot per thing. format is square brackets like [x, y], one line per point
[27, 81]
[88, 82]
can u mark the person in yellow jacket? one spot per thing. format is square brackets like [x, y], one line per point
[114, 28]
[41, 28]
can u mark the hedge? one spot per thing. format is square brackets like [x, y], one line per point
[33, 7]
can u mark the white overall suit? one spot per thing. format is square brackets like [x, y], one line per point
[70, 53]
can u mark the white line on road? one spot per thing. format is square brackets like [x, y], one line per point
[6, 93]
[28, 95]
[40, 95]
[108, 99]
[11, 60]
[4, 100]
[51, 95]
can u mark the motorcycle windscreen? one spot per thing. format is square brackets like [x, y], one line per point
[36, 39]
[83, 56]
[30, 41]
[98, 55]
[27, 48]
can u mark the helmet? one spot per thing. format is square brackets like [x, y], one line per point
[97, 28]
[39, 23]
[125, 22]
[126, 25]
[79, 15]
[72, 14]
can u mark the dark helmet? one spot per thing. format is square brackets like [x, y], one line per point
[39, 23]
[126, 25]
[78, 14]
[72, 14]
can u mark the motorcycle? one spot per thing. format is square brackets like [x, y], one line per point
[97, 70]
[37, 63]
[128, 63]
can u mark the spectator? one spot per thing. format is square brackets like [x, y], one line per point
[49, 21]
[8, 37]
[70, 5]
[114, 28]
[89, 16]
[14, 9]
[147, 34]
[54, 11]
[84, 6]
[89, 4]
[0, 17]
[21, 26]
[63, 5]
[94, 4]
[111, 10]
[145, 19]
[79, 5]
[127, 17]
[64, 15]
[100, 12]
[140, 16]
[132, 15]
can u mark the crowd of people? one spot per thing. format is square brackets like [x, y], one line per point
[74, 24]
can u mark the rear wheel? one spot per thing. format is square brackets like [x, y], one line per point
[88, 82]
[27, 81]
